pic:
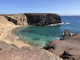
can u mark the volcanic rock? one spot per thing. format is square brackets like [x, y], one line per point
[28, 53]
[37, 19]
[67, 48]
[41, 19]
[66, 34]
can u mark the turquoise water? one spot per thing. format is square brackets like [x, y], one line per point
[39, 36]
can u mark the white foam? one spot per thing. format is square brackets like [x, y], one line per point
[71, 34]
[63, 23]
[57, 38]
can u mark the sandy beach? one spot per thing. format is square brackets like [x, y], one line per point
[6, 35]
[11, 48]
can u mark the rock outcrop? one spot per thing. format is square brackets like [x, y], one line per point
[11, 52]
[11, 19]
[67, 48]
[41, 19]
[18, 19]
[66, 35]
[38, 19]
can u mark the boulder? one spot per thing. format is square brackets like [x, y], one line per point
[66, 34]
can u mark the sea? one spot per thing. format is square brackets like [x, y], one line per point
[39, 36]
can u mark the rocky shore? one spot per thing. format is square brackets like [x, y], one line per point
[37, 19]
[67, 48]
[6, 28]
[11, 48]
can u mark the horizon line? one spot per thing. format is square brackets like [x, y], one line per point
[53, 13]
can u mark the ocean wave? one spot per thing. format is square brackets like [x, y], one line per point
[57, 38]
[63, 23]
[72, 34]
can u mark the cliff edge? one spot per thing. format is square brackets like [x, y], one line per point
[37, 19]
[41, 19]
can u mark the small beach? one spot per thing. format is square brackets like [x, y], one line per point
[29, 39]
[6, 35]
[39, 36]
[39, 30]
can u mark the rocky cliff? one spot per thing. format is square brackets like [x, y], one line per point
[18, 19]
[41, 19]
[38, 19]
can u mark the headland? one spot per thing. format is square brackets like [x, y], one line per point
[11, 48]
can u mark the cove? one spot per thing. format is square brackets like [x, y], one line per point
[39, 36]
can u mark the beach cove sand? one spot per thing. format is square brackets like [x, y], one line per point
[11, 48]
[6, 35]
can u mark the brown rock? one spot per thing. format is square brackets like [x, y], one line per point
[67, 33]
[11, 52]
[67, 48]
[21, 19]
[5, 46]
[18, 19]
[28, 53]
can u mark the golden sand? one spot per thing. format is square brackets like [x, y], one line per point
[5, 33]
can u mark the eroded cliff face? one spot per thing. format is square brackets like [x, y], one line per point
[37, 19]
[41, 19]
[18, 19]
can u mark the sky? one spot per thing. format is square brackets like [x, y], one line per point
[61, 7]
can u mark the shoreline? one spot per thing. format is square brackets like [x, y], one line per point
[22, 43]
[6, 34]
[18, 42]
[12, 38]
[11, 46]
